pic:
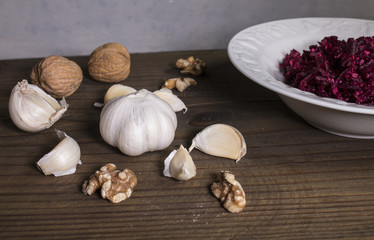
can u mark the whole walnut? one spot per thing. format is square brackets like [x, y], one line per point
[58, 76]
[109, 63]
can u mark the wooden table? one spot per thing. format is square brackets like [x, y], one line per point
[300, 182]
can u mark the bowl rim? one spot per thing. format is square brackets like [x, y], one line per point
[291, 92]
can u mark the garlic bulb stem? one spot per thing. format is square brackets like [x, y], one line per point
[31, 109]
[63, 158]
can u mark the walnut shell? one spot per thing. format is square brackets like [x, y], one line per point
[58, 76]
[109, 63]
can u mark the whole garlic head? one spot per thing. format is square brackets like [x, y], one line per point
[32, 110]
[138, 122]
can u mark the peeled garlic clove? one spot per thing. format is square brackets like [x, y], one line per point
[63, 158]
[31, 109]
[117, 90]
[168, 96]
[220, 140]
[179, 165]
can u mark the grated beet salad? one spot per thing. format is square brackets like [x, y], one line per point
[341, 69]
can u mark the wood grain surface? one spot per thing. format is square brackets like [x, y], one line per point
[300, 182]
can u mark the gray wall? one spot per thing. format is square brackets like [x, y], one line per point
[38, 28]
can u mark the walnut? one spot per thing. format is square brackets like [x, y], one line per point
[191, 65]
[109, 63]
[229, 192]
[116, 186]
[58, 76]
[179, 83]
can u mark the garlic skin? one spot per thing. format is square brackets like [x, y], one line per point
[168, 96]
[63, 158]
[220, 140]
[179, 165]
[32, 110]
[117, 90]
[138, 122]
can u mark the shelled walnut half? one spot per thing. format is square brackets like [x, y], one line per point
[229, 192]
[116, 185]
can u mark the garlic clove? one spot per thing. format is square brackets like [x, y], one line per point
[63, 158]
[220, 140]
[168, 96]
[32, 110]
[117, 90]
[179, 165]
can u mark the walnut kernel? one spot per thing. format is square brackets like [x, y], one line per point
[116, 185]
[191, 65]
[58, 76]
[229, 192]
[109, 63]
[179, 83]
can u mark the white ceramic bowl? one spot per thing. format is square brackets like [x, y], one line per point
[258, 50]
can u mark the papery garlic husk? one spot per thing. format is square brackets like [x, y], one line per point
[179, 165]
[32, 110]
[63, 158]
[220, 140]
[138, 122]
[168, 96]
[117, 90]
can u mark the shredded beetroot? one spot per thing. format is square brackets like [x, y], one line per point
[334, 68]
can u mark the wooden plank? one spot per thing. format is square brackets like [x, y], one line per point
[300, 182]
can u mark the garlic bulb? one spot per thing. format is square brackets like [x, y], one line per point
[32, 110]
[220, 140]
[179, 165]
[63, 158]
[173, 100]
[138, 122]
